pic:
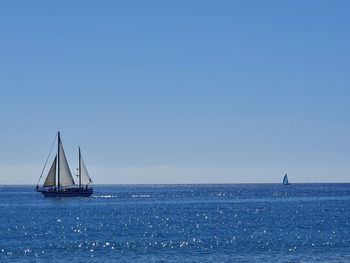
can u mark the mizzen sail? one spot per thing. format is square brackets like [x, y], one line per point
[85, 178]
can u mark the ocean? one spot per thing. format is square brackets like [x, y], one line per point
[178, 223]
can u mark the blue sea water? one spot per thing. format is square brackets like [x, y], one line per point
[179, 223]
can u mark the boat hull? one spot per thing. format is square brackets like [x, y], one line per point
[67, 193]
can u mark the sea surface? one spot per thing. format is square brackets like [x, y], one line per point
[178, 223]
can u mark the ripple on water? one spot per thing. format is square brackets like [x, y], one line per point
[249, 223]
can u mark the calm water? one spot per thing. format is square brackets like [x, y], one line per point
[184, 223]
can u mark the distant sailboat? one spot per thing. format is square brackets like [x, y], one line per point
[285, 180]
[60, 183]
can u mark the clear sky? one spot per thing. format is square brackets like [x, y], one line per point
[177, 91]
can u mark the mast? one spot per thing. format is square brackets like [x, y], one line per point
[58, 159]
[79, 168]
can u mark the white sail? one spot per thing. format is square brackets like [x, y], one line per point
[50, 179]
[85, 178]
[66, 177]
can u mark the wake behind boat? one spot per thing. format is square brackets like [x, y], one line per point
[59, 181]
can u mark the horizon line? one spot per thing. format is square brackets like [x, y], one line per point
[149, 184]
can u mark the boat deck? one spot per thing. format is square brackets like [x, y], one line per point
[70, 192]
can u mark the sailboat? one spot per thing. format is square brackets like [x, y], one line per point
[285, 180]
[59, 181]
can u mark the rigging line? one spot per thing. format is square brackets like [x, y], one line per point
[47, 159]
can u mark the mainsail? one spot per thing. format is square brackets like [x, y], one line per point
[65, 178]
[85, 178]
[51, 176]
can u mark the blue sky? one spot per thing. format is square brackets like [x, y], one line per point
[177, 91]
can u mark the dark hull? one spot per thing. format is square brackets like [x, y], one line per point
[67, 193]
